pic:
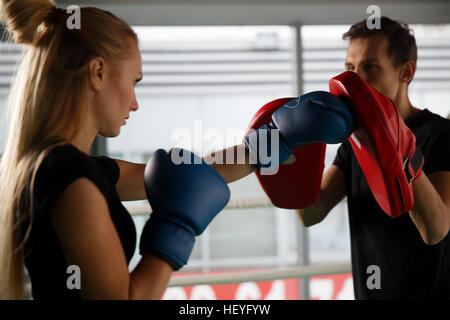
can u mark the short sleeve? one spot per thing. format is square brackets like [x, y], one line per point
[62, 166]
[342, 156]
[439, 159]
[109, 167]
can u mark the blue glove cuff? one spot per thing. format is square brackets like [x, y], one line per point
[262, 158]
[170, 242]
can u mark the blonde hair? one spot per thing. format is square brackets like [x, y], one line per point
[44, 108]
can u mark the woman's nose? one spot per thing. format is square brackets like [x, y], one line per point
[134, 104]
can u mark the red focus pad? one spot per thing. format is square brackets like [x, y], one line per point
[295, 185]
[381, 141]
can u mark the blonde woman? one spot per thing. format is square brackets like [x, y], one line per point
[60, 207]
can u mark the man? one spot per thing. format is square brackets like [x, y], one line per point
[413, 250]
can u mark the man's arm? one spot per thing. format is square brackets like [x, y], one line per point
[332, 191]
[431, 212]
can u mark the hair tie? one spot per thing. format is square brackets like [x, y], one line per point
[55, 15]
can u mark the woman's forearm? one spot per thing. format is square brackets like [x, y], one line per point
[231, 163]
[150, 278]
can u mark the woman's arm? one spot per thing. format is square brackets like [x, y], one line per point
[130, 185]
[231, 163]
[90, 240]
[150, 278]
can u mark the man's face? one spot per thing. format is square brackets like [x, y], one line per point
[368, 57]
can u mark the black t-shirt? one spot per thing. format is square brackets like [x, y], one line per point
[44, 257]
[409, 268]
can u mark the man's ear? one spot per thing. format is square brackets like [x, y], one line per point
[96, 73]
[407, 72]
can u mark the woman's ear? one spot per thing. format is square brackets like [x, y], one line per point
[96, 73]
[407, 72]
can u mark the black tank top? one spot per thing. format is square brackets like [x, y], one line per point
[44, 257]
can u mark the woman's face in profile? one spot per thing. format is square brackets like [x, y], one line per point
[117, 98]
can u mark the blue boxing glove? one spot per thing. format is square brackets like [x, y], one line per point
[184, 197]
[317, 116]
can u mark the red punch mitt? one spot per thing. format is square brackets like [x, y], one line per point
[383, 145]
[295, 185]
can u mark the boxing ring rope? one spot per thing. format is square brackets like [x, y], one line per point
[137, 210]
[260, 275]
[248, 276]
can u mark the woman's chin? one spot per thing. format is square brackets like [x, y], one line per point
[110, 133]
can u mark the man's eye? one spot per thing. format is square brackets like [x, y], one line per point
[349, 68]
[369, 67]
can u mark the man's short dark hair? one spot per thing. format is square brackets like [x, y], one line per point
[402, 43]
